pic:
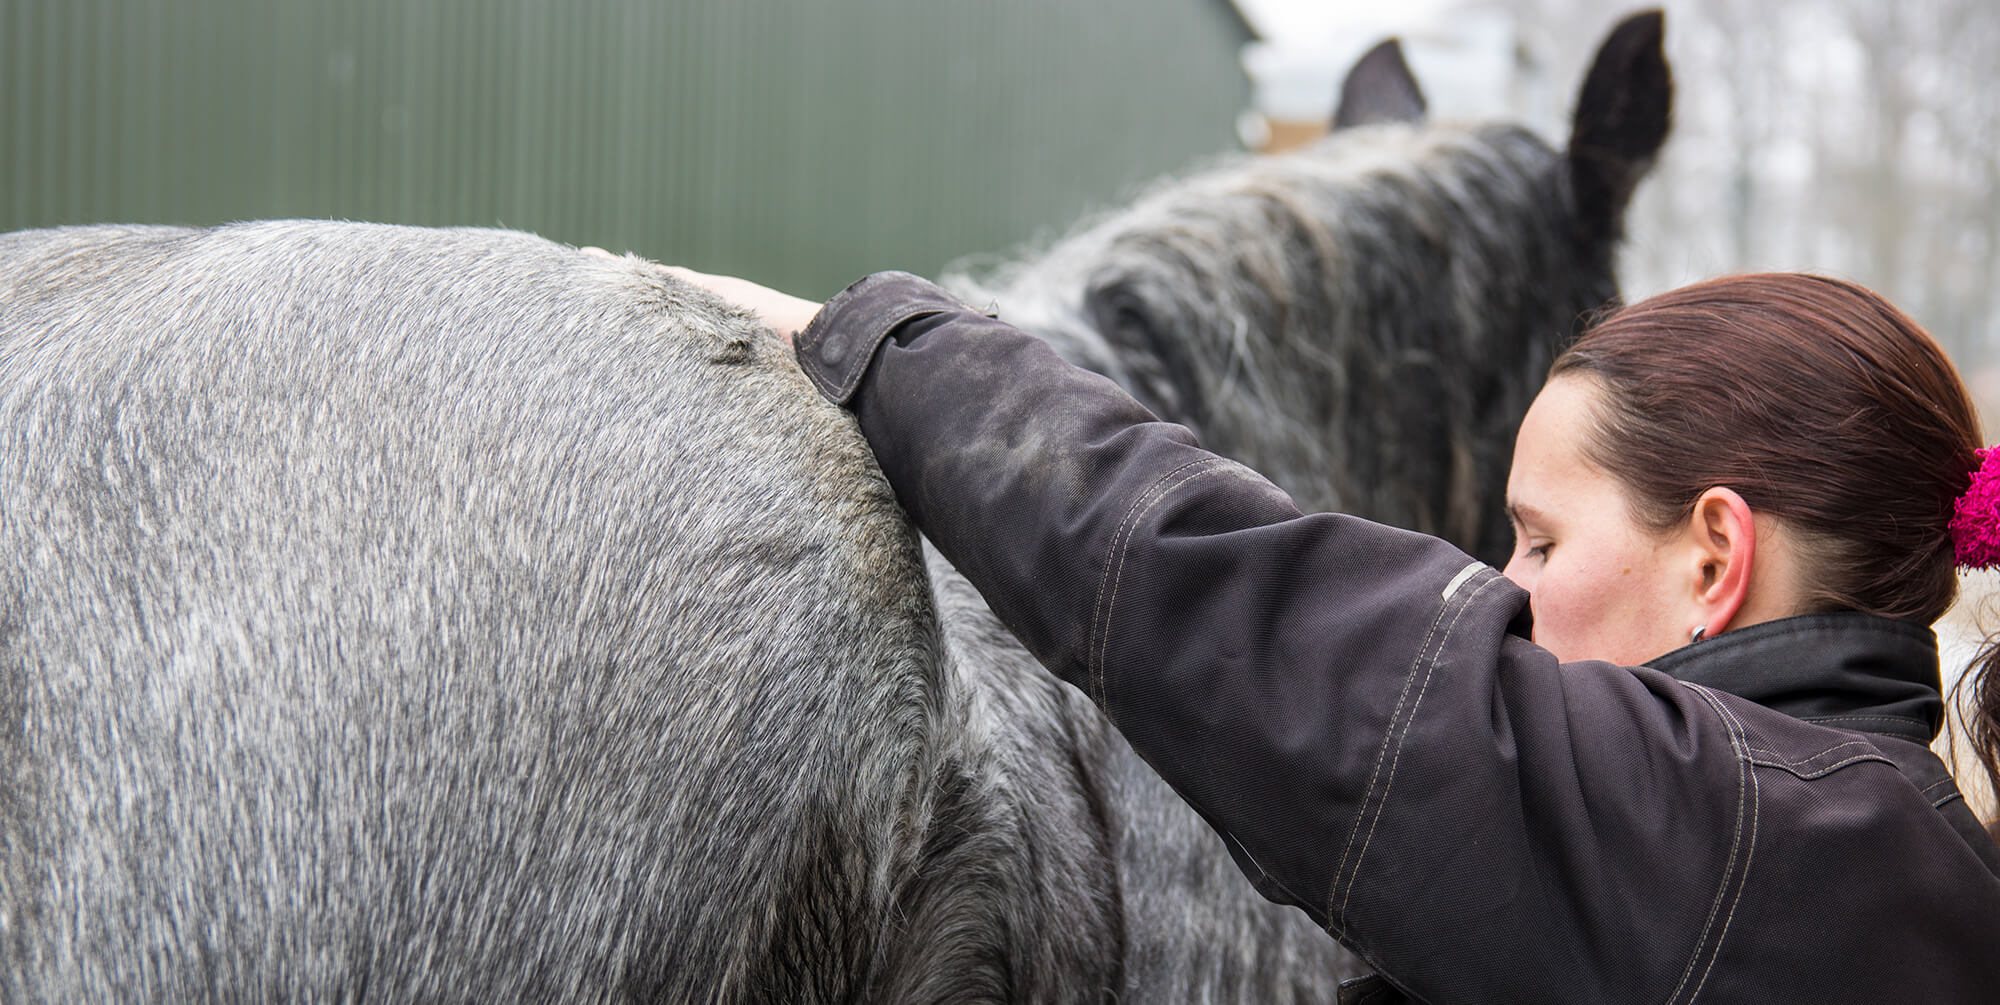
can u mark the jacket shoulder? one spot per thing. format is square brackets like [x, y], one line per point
[1857, 867]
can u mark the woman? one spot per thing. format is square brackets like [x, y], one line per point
[1677, 751]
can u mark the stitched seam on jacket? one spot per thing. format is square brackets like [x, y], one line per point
[1744, 767]
[819, 374]
[1749, 853]
[1947, 782]
[1810, 767]
[1381, 758]
[844, 388]
[1914, 730]
[1408, 722]
[1797, 767]
[1098, 646]
[1894, 720]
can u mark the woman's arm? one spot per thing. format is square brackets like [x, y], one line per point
[1266, 663]
[1343, 701]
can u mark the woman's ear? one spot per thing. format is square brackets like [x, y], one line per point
[1724, 538]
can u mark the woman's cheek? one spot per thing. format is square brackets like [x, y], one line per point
[1556, 619]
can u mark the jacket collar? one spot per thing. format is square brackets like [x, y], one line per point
[1846, 670]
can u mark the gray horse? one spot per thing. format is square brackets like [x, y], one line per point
[444, 614]
[1363, 324]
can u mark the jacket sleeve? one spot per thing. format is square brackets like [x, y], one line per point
[1343, 701]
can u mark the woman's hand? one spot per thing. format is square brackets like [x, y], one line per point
[786, 314]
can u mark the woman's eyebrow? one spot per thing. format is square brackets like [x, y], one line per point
[1520, 513]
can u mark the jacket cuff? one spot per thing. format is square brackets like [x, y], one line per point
[836, 347]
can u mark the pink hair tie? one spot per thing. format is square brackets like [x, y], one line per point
[1975, 519]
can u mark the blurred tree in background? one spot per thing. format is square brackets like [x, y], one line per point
[1853, 137]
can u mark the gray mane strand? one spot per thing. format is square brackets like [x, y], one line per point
[1364, 322]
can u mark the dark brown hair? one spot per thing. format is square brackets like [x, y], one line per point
[1820, 404]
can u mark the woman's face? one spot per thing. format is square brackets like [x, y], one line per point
[1602, 587]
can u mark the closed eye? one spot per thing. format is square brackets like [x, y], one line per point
[1526, 519]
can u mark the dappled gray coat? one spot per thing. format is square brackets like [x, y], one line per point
[444, 614]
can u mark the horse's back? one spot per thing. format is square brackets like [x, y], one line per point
[359, 588]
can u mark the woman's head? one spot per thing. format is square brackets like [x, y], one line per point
[1797, 432]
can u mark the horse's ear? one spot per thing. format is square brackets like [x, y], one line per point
[1380, 88]
[1622, 116]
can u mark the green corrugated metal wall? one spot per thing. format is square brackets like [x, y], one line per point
[799, 141]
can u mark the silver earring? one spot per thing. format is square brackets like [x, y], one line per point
[1699, 631]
